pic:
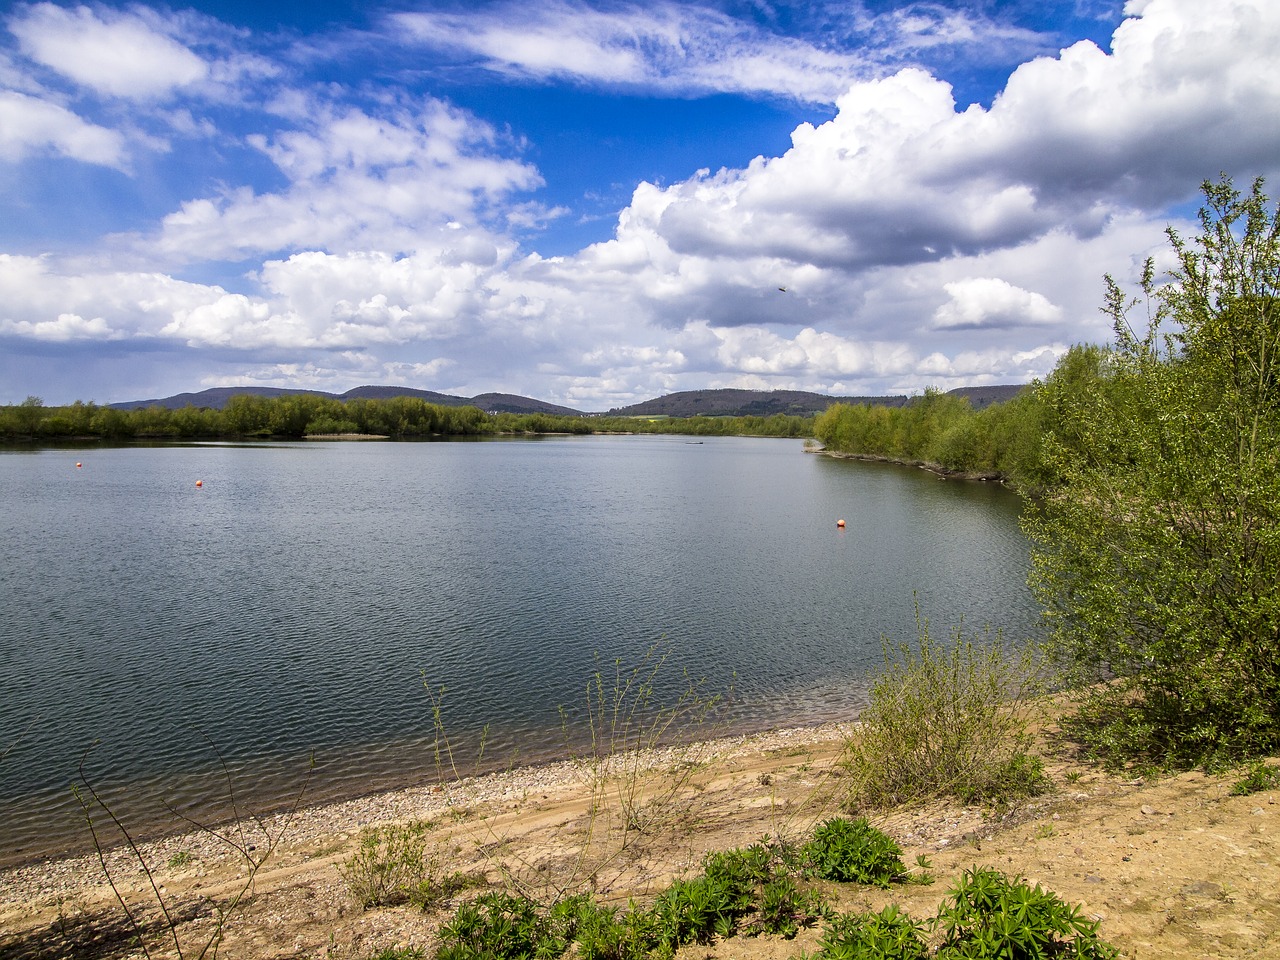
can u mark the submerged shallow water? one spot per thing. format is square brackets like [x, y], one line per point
[304, 600]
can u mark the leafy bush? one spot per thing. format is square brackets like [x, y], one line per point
[986, 916]
[604, 934]
[947, 720]
[991, 916]
[785, 908]
[1155, 555]
[853, 851]
[887, 935]
[693, 911]
[1258, 778]
[498, 925]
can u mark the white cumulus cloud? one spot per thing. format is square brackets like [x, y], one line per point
[356, 181]
[30, 126]
[118, 54]
[992, 303]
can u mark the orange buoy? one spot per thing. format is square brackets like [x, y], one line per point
[199, 483]
[78, 464]
[840, 524]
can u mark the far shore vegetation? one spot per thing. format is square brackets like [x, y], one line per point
[297, 416]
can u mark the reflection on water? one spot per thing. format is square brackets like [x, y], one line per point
[296, 603]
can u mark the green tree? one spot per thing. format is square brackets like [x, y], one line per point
[247, 414]
[29, 414]
[1156, 555]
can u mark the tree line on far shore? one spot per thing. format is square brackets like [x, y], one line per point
[295, 416]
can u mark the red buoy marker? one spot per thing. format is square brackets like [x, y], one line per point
[199, 483]
[840, 524]
[78, 464]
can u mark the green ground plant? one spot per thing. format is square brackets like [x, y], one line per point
[500, 925]
[738, 891]
[853, 851]
[887, 935]
[947, 720]
[1257, 778]
[991, 917]
[759, 890]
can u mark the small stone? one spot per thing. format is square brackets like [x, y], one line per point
[1148, 811]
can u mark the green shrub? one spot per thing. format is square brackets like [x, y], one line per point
[694, 911]
[603, 934]
[498, 926]
[744, 868]
[887, 935]
[947, 721]
[1258, 778]
[991, 916]
[785, 908]
[1155, 553]
[393, 865]
[853, 851]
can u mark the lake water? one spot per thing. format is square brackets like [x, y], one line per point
[302, 598]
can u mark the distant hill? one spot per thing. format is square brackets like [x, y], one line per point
[687, 403]
[742, 403]
[216, 398]
[753, 403]
[980, 397]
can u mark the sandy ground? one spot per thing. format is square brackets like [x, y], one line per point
[1172, 868]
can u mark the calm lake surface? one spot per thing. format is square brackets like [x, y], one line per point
[303, 598]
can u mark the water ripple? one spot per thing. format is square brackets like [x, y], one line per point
[299, 601]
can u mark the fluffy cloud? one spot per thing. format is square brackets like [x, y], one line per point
[115, 54]
[356, 181]
[904, 243]
[899, 176]
[30, 126]
[992, 303]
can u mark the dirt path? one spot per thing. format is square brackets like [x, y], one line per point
[1174, 868]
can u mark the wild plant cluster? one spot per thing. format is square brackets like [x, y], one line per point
[777, 889]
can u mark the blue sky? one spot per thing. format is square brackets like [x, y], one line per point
[598, 203]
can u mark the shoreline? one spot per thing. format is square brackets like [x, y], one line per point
[1177, 867]
[945, 473]
[65, 874]
[154, 820]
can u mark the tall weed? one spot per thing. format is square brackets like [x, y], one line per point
[640, 743]
[397, 863]
[947, 720]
